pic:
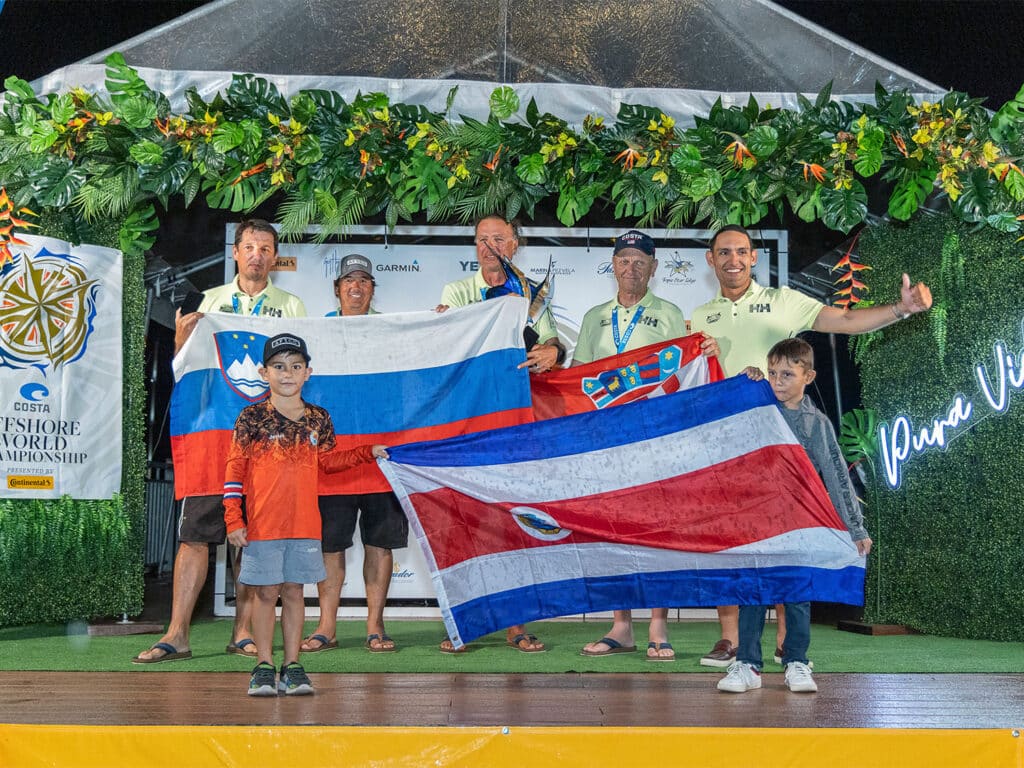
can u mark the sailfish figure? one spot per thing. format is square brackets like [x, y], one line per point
[518, 284]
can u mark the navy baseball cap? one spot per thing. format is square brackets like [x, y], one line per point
[284, 342]
[636, 240]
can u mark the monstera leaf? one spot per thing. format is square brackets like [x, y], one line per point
[858, 437]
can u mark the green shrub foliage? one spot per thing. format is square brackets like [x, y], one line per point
[949, 554]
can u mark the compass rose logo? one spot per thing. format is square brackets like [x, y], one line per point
[47, 306]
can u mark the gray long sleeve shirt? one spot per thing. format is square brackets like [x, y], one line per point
[815, 433]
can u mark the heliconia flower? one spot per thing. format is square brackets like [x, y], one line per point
[815, 170]
[739, 153]
[846, 262]
[628, 157]
[249, 172]
[901, 145]
[495, 159]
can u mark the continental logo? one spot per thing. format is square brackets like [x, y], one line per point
[286, 264]
[30, 482]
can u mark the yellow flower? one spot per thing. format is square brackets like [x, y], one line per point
[381, 114]
[955, 152]
[990, 152]
[277, 177]
[351, 139]
[660, 176]
[272, 118]
[922, 136]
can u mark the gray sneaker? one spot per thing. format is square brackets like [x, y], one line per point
[294, 680]
[742, 677]
[799, 678]
[262, 681]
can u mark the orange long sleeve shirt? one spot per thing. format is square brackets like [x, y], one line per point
[273, 461]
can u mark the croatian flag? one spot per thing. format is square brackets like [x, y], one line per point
[387, 379]
[657, 369]
[698, 498]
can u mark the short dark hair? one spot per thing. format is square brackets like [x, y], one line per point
[795, 350]
[255, 225]
[517, 227]
[730, 228]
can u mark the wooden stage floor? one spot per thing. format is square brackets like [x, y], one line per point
[964, 701]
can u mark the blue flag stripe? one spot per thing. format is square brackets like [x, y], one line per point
[367, 403]
[706, 588]
[621, 425]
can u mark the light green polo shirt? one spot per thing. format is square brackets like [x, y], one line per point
[660, 320]
[470, 290]
[750, 326]
[275, 302]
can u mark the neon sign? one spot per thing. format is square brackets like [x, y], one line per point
[901, 442]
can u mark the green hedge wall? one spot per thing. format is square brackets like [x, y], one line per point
[949, 554]
[74, 559]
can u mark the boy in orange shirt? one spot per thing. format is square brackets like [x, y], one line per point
[276, 448]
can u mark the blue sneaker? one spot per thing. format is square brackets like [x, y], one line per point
[294, 680]
[262, 681]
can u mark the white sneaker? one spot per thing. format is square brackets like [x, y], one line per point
[741, 677]
[799, 679]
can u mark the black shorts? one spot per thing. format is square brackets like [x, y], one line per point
[381, 524]
[202, 519]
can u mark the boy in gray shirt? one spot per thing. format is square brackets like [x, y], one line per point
[790, 371]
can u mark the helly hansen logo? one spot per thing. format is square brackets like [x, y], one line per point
[765, 307]
[647, 320]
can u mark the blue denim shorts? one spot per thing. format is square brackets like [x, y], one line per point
[280, 561]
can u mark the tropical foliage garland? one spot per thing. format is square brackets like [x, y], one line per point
[92, 156]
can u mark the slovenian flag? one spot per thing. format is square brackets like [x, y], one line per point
[388, 379]
[656, 369]
[698, 498]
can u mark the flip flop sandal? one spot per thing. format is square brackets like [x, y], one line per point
[240, 647]
[326, 644]
[382, 638]
[517, 641]
[660, 647]
[614, 646]
[170, 654]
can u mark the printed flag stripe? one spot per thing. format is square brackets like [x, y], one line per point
[692, 512]
[824, 548]
[587, 473]
[765, 585]
[618, 426]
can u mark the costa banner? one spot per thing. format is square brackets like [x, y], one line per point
[60, 370]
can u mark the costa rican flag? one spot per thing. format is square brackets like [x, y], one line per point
[656, 369]
[698, 498]
[386, 379]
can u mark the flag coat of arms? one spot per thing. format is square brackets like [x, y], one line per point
[699, 498]
[387, 379]
[656, 369]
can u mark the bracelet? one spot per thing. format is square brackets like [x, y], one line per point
[560, 357]
[896, 312]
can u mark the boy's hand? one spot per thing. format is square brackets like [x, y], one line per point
[380, 451]
[709, 347]
[237, 538]
[864, 547]
[753, 373]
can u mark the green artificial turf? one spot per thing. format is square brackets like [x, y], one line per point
[60, 648]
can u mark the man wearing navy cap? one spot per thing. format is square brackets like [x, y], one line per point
[634, 318]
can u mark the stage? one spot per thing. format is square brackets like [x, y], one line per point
[200, 719]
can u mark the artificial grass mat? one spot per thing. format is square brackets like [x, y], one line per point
[70, 649]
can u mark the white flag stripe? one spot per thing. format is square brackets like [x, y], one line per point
[595, 472]
[824, 548]
[485, 327]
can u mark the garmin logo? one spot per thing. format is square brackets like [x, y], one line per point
[414, 267]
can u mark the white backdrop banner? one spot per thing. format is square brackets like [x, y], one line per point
[60, 371]
[411, 276]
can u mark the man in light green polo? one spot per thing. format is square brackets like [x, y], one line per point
[634, 318]
[202, 517]
[749, 319]
[496, 239]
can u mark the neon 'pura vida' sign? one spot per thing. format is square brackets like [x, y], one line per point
[901, 442]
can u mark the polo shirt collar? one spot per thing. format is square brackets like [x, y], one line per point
[646, 301]
[751, 290]
[238, 289]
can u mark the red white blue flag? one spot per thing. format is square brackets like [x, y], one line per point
[388, 378]
[699, 498]
[657, 369]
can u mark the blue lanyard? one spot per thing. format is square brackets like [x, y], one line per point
[620, 345]
[236, 305]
